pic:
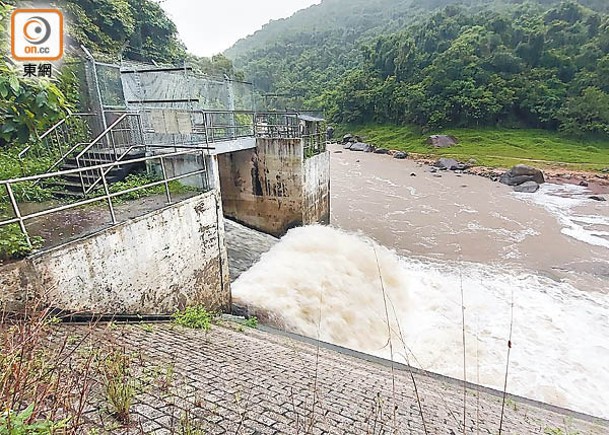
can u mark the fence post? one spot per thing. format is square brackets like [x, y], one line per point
[9, 190]
[107, 191]
[167, 192]
[82, 180]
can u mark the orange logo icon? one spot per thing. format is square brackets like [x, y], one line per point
[37, 35]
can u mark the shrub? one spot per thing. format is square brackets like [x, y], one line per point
[195, 317]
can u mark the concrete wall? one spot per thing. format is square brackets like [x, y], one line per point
[154, 264]
[316, 189]
[262, 187]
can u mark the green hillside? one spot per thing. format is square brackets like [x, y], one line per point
[441, 63]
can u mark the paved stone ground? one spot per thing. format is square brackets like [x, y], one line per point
[239, 380]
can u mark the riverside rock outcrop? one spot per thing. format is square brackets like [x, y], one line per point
[520, 174]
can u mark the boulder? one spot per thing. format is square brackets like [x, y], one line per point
[521, 174]
[584, 183]
[347, 145]
[442, 141]
[381, 151]
[361, 146]
[400, 155]
[447, 164]
[347, 138]
[598, 198]
[527, 187]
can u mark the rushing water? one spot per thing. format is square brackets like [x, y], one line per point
[405, 251]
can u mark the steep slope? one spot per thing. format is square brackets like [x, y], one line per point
[309, 52]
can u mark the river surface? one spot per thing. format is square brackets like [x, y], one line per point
[413, 262]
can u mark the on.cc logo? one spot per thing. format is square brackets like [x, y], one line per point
[37, 30]
[37, 35]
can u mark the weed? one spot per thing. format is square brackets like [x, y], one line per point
[139, 180]
[13, 423]
[195, 317]
[512, 404]
[252, 322]
[189, 427]
[147, 327]
[14, 245]
[166, 381]
[38, 392]
[119, 385]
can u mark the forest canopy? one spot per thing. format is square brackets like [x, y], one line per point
[441, 63]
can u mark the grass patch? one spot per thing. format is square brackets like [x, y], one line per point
[251, 322]
[13, 244]
[119, 385]
[141, 179]
[195, 317]
[494, 147]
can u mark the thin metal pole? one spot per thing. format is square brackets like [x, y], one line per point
[80, 175]
[9, 190]
[108, 197]
[165, 180]
[59, 142]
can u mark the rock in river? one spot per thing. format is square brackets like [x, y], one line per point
[450, 165]
[400, 155]
[360, 146]
[527, 187]
[520, 174]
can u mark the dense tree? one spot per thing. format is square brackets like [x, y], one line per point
[439, 63]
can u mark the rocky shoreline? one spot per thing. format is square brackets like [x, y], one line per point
[597, 183]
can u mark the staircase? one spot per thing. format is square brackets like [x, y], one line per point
[117, 144]
[87, 181]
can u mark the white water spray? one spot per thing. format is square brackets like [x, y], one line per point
[325, 284]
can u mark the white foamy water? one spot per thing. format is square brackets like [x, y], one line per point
[324, 283]
[568, 203]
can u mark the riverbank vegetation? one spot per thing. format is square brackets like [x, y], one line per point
[493, 147]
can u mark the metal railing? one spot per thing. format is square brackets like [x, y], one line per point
[282, 125]
[314, 144]
[221, 126]
[73, 128]
[106, 195]
[118, 135]
[83, 147]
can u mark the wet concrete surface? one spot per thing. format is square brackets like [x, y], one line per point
[245, 247]
[67, 225]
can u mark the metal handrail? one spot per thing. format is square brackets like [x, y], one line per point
[45, 134]
[68, 153]
[54, 129]
[103, 135]
[107, 196]
[107, 171]
[64, 156]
